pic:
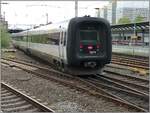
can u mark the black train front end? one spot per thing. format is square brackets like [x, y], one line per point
[89, 45]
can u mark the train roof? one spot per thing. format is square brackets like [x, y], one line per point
[60, 26]
[44, 29]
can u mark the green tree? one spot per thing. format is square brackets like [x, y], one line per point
[4, 36]
[124, 20]
[139, 19]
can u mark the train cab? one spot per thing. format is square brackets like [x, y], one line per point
[89, 43]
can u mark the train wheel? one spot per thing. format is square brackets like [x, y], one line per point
[28, 52]
[101, 71]
[62, 67]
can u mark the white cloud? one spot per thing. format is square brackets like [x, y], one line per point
[34, 12]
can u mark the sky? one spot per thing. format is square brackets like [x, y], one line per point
[34, 12]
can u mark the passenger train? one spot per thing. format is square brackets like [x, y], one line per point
[79, 46]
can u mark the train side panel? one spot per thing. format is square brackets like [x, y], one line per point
[46, 52]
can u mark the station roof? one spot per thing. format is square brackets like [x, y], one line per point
[140, 27]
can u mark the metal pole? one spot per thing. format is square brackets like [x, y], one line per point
[134, 38]
[98, 11]
[46, 18]
[134, 28]
[114, 6]
[0, 10]
[76, 8]
[0, 33]
[4, 15]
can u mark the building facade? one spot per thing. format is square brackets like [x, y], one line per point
[113, 15]
[132, 13]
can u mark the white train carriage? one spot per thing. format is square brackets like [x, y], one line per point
[78, 46]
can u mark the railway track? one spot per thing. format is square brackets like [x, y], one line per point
[87, 85]
[124, 92]
[12, 100]
[130, 61]
[127, 76]
[138, 59]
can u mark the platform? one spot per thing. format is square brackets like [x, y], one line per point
[131, 50]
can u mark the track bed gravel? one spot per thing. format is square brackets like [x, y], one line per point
[125, 70]
[60, 98]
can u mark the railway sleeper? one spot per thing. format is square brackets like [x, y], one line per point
[9, 97]
[15, 104]
[18, 109]
[11, 101]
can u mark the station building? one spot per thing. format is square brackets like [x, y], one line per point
[134, 33]
[132, 39]
[132, 13]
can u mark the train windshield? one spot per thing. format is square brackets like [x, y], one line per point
[88, 35]
[89, 42]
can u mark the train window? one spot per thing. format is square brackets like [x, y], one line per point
[20, 38]
[17, 38]
[44, 38]
[24, 38]
[28, 39]
[129, 37]
[88, 35]
[65, 39]
[125, 38]
[35, 38]
[61, 38]
[139, 37]
[31, 38]
[54, 38]
[52, 41]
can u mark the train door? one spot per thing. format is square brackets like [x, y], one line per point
[63, 35]
[61, 49]
[28, 42]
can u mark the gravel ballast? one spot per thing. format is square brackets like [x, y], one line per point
[59, 97]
